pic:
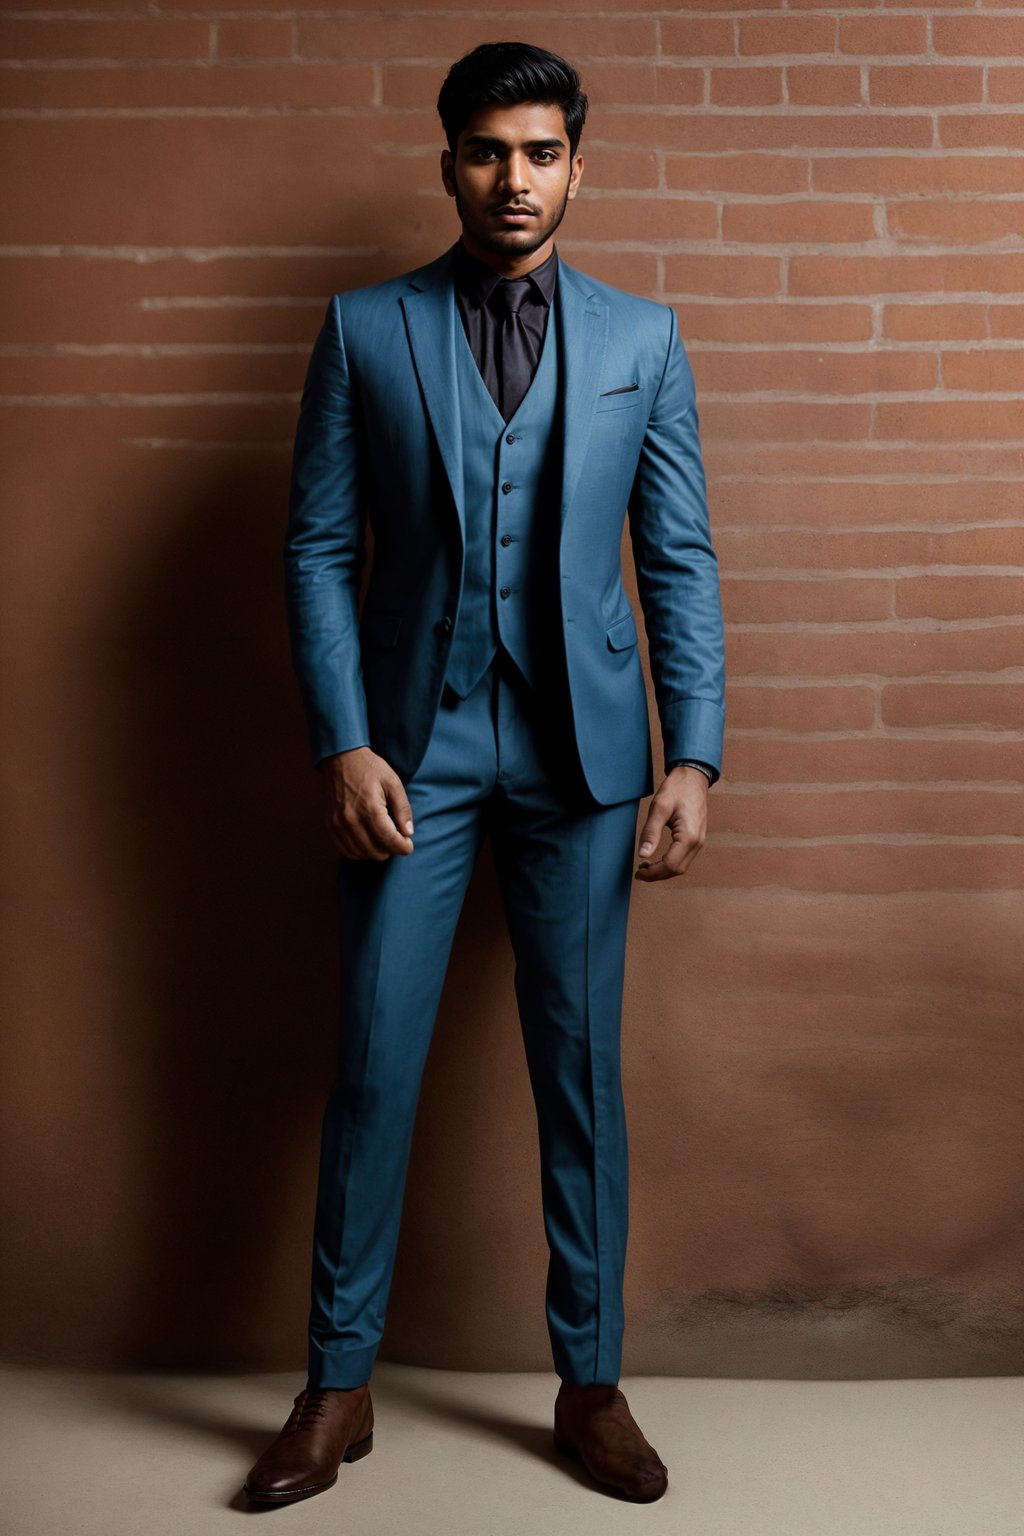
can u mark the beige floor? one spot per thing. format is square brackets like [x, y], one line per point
[470, 1455]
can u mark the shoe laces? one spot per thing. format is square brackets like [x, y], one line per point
[310, 1407]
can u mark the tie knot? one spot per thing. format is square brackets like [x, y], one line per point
[511, 292]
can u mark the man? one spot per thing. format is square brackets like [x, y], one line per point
[493, 415]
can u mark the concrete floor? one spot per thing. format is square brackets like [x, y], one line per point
[462, 1454]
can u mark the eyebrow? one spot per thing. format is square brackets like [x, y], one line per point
[482, 139]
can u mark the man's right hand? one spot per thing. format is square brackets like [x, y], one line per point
[365, 805]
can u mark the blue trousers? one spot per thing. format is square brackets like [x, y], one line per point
[498, 764]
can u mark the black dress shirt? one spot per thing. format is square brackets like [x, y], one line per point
[475, 283]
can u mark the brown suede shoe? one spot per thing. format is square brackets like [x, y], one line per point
[327, 1425]
[593, 1423]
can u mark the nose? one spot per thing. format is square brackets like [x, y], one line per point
[516, 178]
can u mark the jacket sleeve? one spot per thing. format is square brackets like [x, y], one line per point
[677, 568]
[325, 549]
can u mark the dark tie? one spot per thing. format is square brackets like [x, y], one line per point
[517, 360]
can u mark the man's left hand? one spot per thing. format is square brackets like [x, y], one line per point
[681, 805]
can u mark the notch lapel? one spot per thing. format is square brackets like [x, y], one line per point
[583, 330]
[428, 308]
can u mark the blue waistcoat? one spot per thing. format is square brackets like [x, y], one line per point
[512, 485]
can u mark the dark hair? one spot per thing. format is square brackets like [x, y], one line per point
[504, 74]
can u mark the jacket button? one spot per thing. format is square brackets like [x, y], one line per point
[505, 591]
[510, 438]
[443, 626]
[506, 538]
[507, 486]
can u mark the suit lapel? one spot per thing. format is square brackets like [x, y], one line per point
[583, 334]
[583, 329]
[428, 310]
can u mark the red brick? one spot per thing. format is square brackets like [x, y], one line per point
[999, 706]
[957, 223]
[766, 175]
[942, 174]
[690, 37]
[950, 420]
[952, 596]
[823, 85]
[924, 322]
[417, 37]
[262, 181]
[818, 707]
[741, 499]
[985, 472]
[817, 372]
[759, 600]
[977, 36]
[149, 88]
[724, 274]
[987, 129]
[751, 322]
[604, 217]
[817, 548]
[149, 37]
[744, 86]
[829, 813]
[806, 223]
[943, 273]
[262, 39]
[1005, 85]
[787, 34]
[866, 868]
[881, 757]
[715, 132]
[882, 35]
[915, 86]
[657, 85]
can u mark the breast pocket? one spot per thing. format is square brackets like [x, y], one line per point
[622, 397]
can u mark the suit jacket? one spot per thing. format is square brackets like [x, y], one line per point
[378, 442]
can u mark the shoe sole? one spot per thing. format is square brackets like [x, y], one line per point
[287, 1496]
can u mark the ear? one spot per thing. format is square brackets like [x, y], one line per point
[575, 175]
[448, 171]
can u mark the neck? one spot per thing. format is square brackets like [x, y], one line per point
[512, 265]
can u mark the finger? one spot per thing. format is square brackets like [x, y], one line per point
[398, 801]
[383, 833]
[676, 859]
[650, 834]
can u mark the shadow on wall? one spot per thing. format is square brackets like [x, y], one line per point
[228, 899]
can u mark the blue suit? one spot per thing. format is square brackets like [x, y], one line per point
[544, 745]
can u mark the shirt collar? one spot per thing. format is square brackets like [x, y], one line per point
[477, 281]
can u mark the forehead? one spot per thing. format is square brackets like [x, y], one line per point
[518, 124]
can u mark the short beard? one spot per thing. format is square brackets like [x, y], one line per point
[496, 242]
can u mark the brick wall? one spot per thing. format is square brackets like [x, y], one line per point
[832, 196]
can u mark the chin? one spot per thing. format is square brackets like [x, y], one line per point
[513, 242]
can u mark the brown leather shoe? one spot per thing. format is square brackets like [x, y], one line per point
[327, 1425]
[594, 1424]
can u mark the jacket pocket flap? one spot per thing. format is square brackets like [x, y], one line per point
[623, 632]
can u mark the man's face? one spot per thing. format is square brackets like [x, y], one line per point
[511, 156]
